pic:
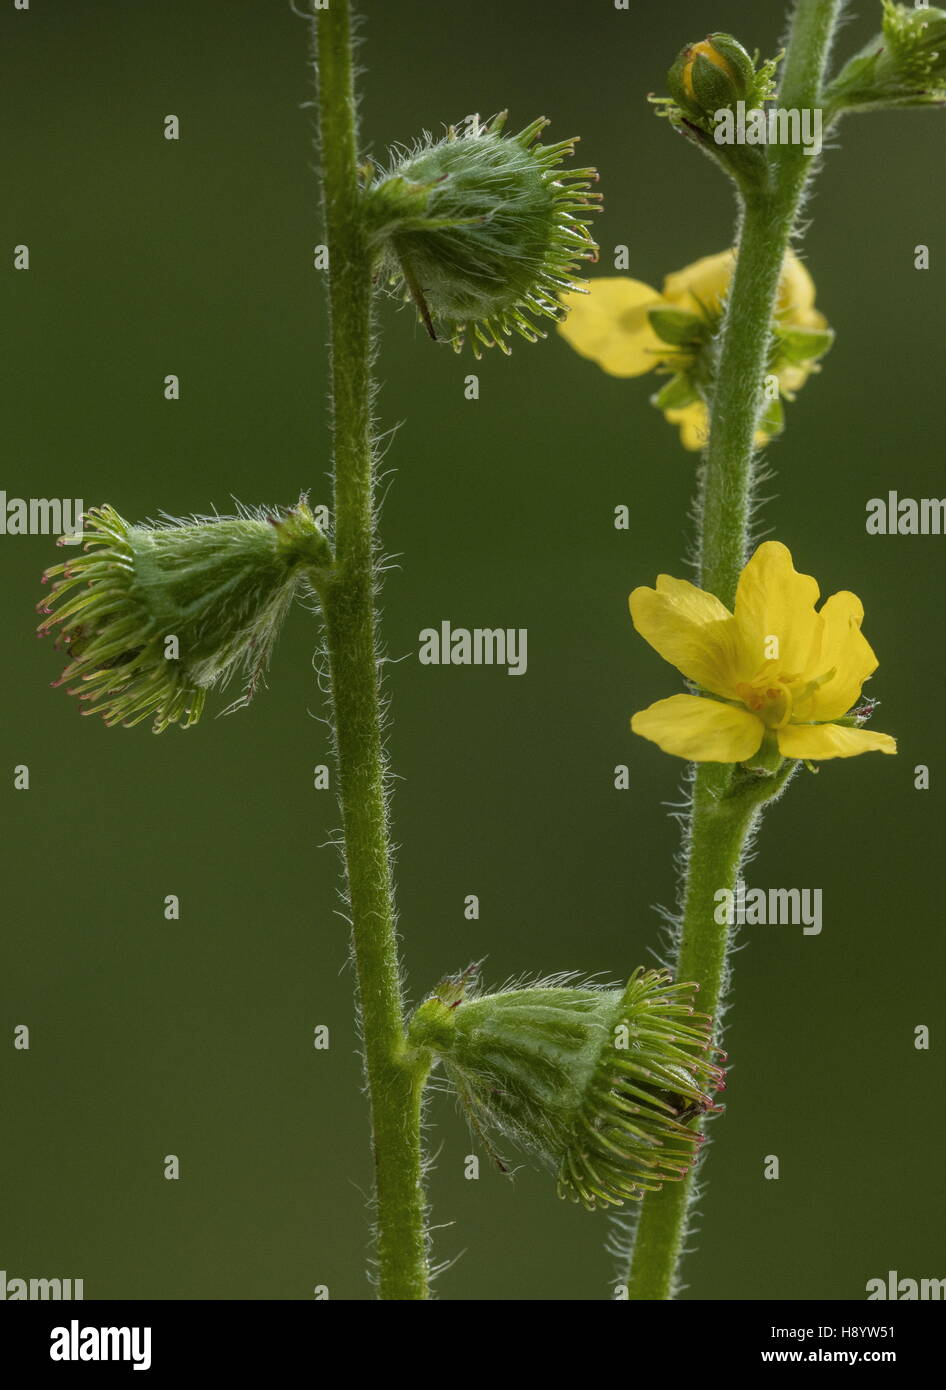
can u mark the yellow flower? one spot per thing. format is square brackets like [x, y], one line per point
[780, 671]
[612, 326]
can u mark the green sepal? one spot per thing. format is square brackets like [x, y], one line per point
[679, 95]
[772, 421]
[678, 393]
[856, 84]
[800, 345]
[767, 759]
[741, 65]
[679, 327]
[713, 87]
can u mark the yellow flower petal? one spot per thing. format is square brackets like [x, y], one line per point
[689, 628]
[779, 629]
[702, 284]
[796, 294]
[817, 742]
[693, 420]
[792, 377]
[702, 731]
[805, 318]
[706, 281]
[609, 324]
[846, 651]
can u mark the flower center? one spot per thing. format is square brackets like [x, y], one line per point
[775, 698]
[770, 697]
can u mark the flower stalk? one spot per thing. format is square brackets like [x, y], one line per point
[721, 815]
[481, 230]
[395, 1076]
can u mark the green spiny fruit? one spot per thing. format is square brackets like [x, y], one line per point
[219, 587]
[483, 230]
[600, 1084]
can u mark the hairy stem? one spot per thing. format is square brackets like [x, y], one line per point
[394, 1076]
[723, 812]
[717, 835]
[721, 821]
[814, 25]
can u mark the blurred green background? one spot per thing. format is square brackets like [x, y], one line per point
[149, 1037]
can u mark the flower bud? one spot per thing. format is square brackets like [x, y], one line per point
[915, 43]
[153, 616]
[710, 75]
[598, 1083]
[905, 65]
[483, 231]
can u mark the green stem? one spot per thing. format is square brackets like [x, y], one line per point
[724, 806]
[721, 822]
[814, 25]
[394, 1077]
[768, 221]
[717, 836]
